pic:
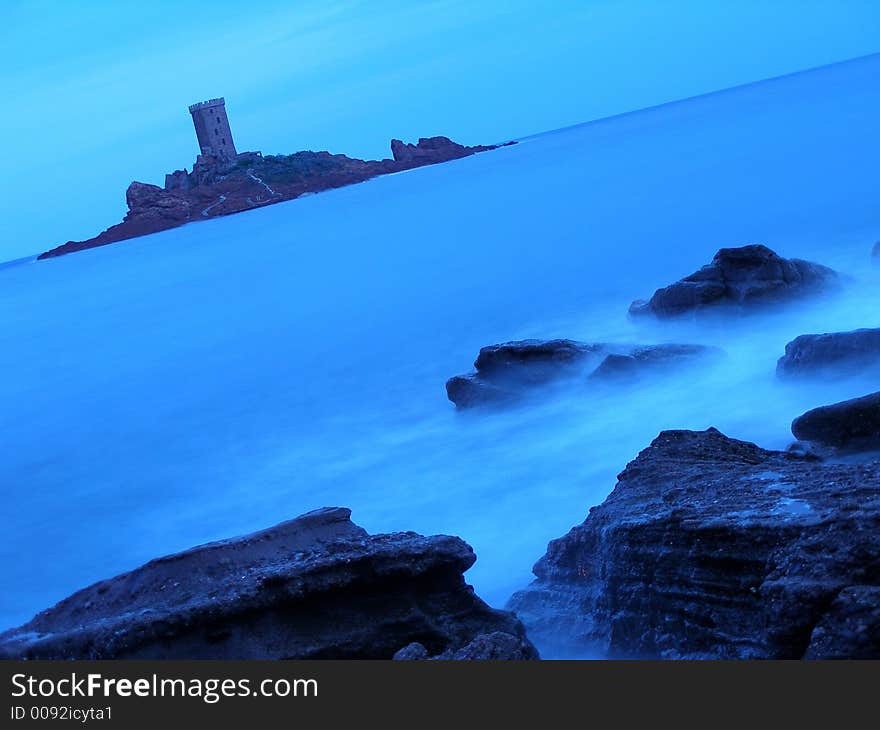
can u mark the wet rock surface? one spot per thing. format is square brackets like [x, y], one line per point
[651, 360]
[710, 547]
[315, 587]
[833, 353]
[510, 371]
[739, 278]
[851, 425]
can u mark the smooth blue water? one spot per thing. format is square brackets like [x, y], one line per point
[221, 377]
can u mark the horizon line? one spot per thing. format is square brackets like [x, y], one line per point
[703, 95]
[620, 115]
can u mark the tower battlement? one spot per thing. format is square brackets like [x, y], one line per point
[212, 129]
[205, 104]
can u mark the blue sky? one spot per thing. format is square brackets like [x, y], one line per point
[96, 92]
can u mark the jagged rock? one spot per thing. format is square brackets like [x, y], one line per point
[317, 586]
[147, 202]
[511, 370]
[485, 647]
[837, 353]
[739, 277]
[710, 547]
[177, 180]
[851, 425]
[430, 150]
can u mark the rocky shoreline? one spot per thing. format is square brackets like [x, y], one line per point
[707, 548]
[218, 187]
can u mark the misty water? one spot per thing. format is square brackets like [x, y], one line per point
[222, 377]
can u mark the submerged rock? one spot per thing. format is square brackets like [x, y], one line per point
[512, 370]
[710, 547]
[507, 371]
[649, 360]
[837, 353]
[532, 360]
[742, 277]
[315, 587]
[471, 391]
[851, 425]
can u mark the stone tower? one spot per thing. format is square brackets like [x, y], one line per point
[212, 129]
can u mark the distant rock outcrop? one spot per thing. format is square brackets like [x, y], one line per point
[712, 548]
[430, 150]
[218, 187]
[315, 587]
[852, 425]
[742, 278]
[835, 353]
[512, 370]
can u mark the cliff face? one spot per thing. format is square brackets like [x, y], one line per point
[215, 188]
[710, 547]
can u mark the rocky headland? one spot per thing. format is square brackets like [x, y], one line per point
[316, 587]
[218, 187]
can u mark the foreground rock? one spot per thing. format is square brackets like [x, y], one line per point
[220, 187]
[315, 587]
[852, 425]
[512, 370]
[486, 647]
[837, 353]
[739, 278]
[710, 547]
